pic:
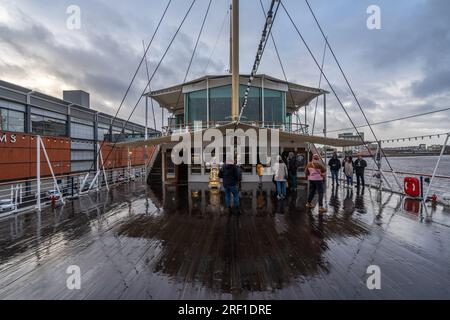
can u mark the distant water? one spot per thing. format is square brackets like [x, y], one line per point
[420, 164]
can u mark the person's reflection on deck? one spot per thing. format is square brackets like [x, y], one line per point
[335, 203]
[349, 205]
[359, 201]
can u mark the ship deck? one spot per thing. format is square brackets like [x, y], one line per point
[136, 242]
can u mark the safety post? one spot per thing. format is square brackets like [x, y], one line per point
[437, 167]
[51, 169]
[38, 173]
[325, 147]
[104, 172]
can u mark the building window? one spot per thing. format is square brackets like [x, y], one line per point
[103, 133]
[81, 131]
[220, 104]
[46, 126]
[252, 111]
[288, 123]
[196, 160]
[273, 107]
[13, 121]
[197, 107]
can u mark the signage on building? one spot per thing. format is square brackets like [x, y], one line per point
[4, 138]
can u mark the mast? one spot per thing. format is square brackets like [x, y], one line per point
[235, 60]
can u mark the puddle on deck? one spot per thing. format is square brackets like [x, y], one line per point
[137, 242]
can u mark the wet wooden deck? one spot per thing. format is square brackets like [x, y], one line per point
[179, 243]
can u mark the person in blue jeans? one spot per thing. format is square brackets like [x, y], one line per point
[335, 166]
[280, 175]
[231, 176]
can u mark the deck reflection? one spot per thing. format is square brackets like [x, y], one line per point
[137, 242]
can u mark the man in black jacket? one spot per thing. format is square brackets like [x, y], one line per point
[335, 166]
[360, 166]
[231, 176]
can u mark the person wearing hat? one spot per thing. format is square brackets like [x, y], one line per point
[231, 176]
[315, 173]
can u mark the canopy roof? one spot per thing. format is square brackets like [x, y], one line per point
[288, 137]
[297, 96]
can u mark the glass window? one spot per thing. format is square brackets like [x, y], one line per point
[288, 122]
[196, 158]
[252, 111]
[220, 104]
[273, 107]
[81, 131]
[196, 105]
[46, 126]
[77, 155]
[13, 121]
[103, 133]
[4, 104]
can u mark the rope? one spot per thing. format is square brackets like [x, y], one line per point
[153, 75]
[217, 41]
[394, 120]
[348, 84]
[148, 78]
[326, 78]
[195, 49]
[270, 19]
[282, 66]
[320, 84]
[132, 81]
[437, 135]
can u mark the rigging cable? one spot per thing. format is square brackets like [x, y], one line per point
[148, 78]
[217, 41]
[270, 19]
[350, 87]
[282, 66]
[394, 120]
[195, 50]
[132, 81]
[152, 76]
[437, 135]
[320, 84]
[328, 81]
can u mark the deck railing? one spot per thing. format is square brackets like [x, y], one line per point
[283, 126]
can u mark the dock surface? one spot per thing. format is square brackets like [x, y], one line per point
[138, 242]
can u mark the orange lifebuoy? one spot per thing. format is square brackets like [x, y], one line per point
[412, 187]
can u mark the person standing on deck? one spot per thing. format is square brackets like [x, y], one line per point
[315, 173]
[260, 172]
[360, 166]
[335, 166]
[292, 168]
[348, 170]
[280, 173]
[230, 175]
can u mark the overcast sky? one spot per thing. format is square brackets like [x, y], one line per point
[402, 69]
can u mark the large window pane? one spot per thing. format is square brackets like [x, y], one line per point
[273, 107]
[46, 126]
[220, 104]
[13, 121]
[252, 111]
[81, 131]
[197, 104]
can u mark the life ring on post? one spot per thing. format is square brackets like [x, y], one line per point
[412, 187]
